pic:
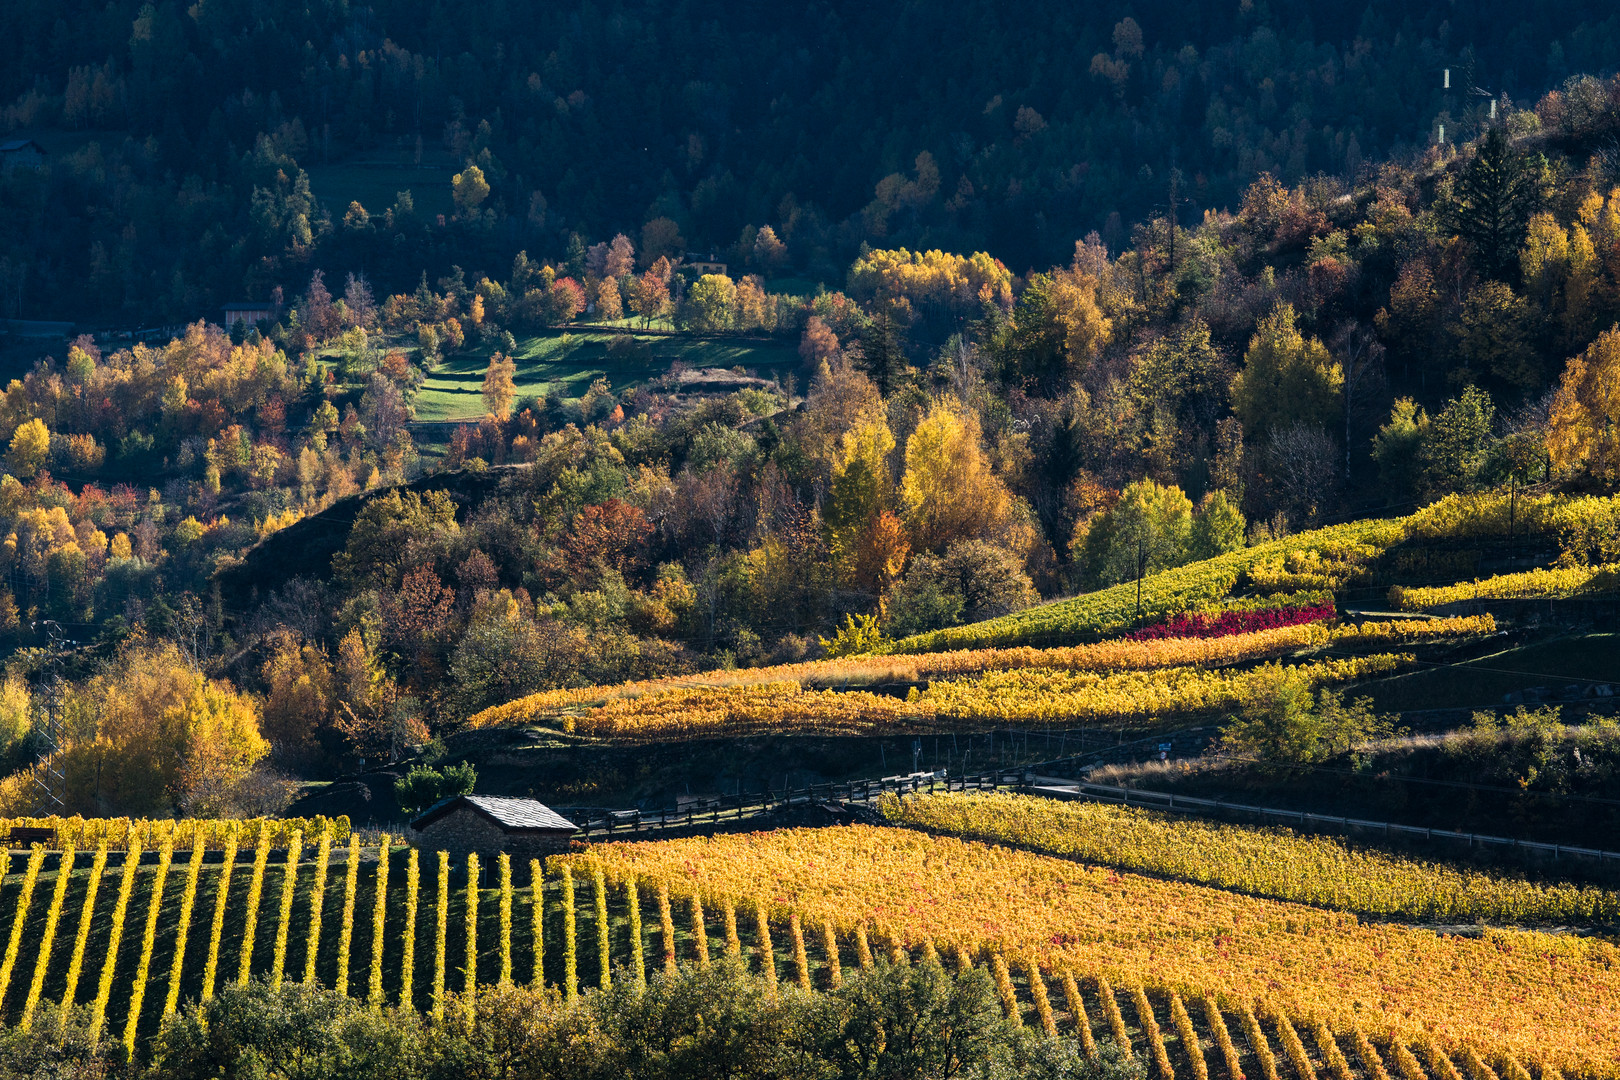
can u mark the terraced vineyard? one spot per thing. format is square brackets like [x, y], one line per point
[1195, 979]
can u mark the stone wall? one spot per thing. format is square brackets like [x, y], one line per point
[465, 830]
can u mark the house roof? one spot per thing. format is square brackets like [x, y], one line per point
[251, 305]
[11, 145]
[507, 813]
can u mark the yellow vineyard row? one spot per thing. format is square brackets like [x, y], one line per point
[1271, 862]
[1020, 695]
[1532, 584]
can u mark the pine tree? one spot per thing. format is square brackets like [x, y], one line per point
[1492, 203]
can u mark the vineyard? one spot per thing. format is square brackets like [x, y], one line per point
[1102, 681]
[899, 890]
[1270, 862]
[1557, 583]
[1190, 978]
[1020, 695]
[1328, 558]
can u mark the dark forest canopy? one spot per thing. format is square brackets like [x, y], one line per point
[969, 126]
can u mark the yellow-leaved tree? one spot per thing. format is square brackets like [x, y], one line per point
[30, 449]
[949, 491]
[1583, 433]
[1287, 378]
[862, 488]
[153, 735]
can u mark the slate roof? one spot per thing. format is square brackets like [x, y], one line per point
[507, 813]
[12, 145]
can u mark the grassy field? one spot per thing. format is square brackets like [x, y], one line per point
[568, 361]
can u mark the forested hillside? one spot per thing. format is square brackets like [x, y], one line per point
[214, 152]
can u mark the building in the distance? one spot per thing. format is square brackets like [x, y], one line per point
[696, 263]
[463, 824]
[21, 154]
[251, 313]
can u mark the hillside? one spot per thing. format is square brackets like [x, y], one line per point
[285, 141]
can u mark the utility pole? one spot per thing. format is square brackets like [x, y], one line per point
[49, 782]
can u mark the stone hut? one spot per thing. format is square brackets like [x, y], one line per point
[487, 823]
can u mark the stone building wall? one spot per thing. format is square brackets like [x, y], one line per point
[465, 830]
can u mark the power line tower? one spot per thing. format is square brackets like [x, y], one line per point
[49, 782]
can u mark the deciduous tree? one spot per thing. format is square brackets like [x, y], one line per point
[1287, 378]
[500, 386]
[949, 491]
[1584, 432]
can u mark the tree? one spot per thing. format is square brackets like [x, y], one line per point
[1491, 204]
[649, 297]
[711, 304]
[1494, 339]
[152, 735]
[862, 487]
[818, 345]
[500, 386]
[609, 536]
[1151, 526]
[1282, 721]
[661, 239]
[1286, 378]
[30, 449]
[621, 258]
[1456, 442]
[769, 252]
[882, 353]
[299, 703]
[1217, 527]
[1584, 430]
[609, 304]
[469, 189]
[564, 299]
[1057, 329]
[424, 785]
[1362, 360]
[949, 491]
[973, 580]
[1396, 448]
